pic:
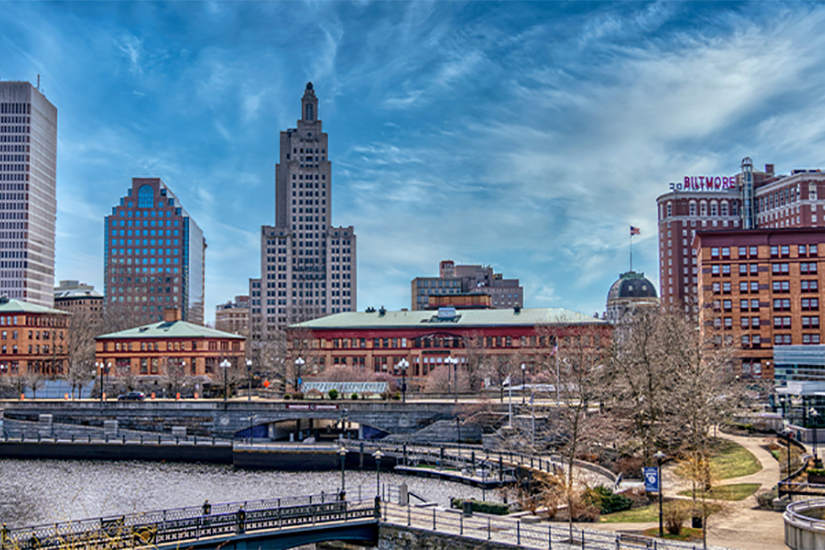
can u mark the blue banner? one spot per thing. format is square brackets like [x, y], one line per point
[651, 475]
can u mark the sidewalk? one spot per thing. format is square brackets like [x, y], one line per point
[743, 525]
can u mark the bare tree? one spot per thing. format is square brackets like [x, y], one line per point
[81, 329]
[174, 375]
[269, 356]
[300, 360]
[475, 360]
[441, 380]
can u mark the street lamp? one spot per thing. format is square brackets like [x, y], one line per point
[403, 365]
[249, 377]
[523, 373]
[454, 362]
[225, 364]
[342, 452]
[378, 455]
[299, 363]
[108, 369]
[659, 456]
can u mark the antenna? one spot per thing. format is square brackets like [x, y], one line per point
[38, 83]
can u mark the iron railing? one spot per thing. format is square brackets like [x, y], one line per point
[513, 531]
[187, 524]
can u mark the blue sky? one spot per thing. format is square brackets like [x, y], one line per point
[527, 136]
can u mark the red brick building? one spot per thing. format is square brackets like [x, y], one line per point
[32, 338]
[377, 340]
[760, 289]
[150, 350]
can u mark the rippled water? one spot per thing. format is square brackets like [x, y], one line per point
[46, 491]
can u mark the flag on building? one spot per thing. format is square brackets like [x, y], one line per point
[506, 381]
[635, 231]
[555, 350]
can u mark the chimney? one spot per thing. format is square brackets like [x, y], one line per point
[769, 168]
[171, 314]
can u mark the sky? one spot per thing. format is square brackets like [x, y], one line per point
[525, 136]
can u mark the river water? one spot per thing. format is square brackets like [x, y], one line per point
[34, 492]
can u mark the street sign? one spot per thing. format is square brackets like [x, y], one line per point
[651, 475]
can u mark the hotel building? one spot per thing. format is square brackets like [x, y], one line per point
[308, 267]
[154, 255]
[747, 200]
[28, 197]
[760, 289]
[32, 339]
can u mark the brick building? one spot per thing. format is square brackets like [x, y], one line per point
[76, 297]
[233, 316]
[748, 200]
[149, 350]
[467, 279]
[154, 254]
[761, 289]
[32, 338]
[377, 340]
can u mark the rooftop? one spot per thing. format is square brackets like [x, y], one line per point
[166, 329]
[18, 306]
[460, 318]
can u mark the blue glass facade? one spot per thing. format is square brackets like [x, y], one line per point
[154, 255]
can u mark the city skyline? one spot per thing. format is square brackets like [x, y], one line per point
[523, 136]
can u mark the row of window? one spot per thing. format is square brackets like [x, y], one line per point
[777, 251]
[212, 345]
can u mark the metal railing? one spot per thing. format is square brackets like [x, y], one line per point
[186, 524]
[36, 436]
[794, 514]
[515, 532]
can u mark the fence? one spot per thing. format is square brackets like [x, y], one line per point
[513, 531]
[192, 523]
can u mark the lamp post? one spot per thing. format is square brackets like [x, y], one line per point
[108, 369]
[100, 367]
[225, 364]
[299, 363]
[378, 455]
[403, 365]
[815, 416]
[523, 373]
[659, 456]
[454, 362]
[342, 452]
[249, 378]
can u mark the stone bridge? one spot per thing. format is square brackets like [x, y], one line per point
[225, 419]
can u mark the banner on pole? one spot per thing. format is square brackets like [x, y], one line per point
[651, 475]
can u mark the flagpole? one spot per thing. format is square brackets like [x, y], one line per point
[558, 380]
[631, 250]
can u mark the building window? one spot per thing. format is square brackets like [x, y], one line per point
[146, 197]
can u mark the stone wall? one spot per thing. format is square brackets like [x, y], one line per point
[393, 537]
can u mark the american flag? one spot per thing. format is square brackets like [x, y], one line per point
[635, 231]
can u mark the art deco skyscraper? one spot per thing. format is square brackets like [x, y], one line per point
[28, 198]
[308, 267]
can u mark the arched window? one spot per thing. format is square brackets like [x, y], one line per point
[692, 208]
[669, 210]
[714, 209]
[703, 208]
[309, 112]
[734, 208]
[724, 208]
[146, 197]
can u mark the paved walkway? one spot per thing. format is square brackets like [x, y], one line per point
[742, 524]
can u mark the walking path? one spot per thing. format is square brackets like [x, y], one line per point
[742, 525]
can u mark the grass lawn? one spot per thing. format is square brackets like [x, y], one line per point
[731, 460]
[635, 515]
[688, 533]
[737, 491]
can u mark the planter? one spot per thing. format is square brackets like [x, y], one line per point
[814, 478]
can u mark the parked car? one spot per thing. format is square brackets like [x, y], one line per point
[132, 396]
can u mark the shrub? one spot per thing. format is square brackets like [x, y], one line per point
[333, 394]
[606, 500]
[674, 515]
[354, 396]
[630, 467]
[482, 507]
[287, 396]
[396, 396]
[816, 471]
[297, 395]
[765, 500]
